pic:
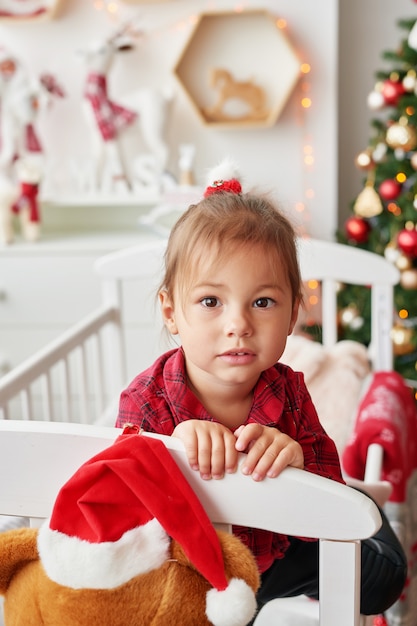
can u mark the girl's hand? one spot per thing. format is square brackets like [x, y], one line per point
[210, 447]
[268, 450]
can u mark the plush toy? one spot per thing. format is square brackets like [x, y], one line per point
[335, 376]
[128, 544]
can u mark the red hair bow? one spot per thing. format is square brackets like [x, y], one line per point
[232, 185]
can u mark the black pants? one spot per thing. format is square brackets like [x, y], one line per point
[383, 571]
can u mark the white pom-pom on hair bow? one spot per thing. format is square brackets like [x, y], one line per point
[224, 177]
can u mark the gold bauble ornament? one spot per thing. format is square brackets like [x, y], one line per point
[401, 135]
[368, 203]
[364, 160]
[403, 262]
[408, 279]
[402, 339]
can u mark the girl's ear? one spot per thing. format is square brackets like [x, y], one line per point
[294, 316]
[167, 311]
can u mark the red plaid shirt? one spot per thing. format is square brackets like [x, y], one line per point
[159, 399]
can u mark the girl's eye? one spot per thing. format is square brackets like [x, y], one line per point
[210, 302]
[263, 303]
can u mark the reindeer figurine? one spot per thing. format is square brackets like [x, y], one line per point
[109, 120]
[22, 161]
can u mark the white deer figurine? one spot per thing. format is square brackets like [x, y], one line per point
[22, 162]
[19, 105]
[108, 120]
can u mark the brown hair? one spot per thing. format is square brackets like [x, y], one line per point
[220, 223]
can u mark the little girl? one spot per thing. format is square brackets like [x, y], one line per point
[231, 292]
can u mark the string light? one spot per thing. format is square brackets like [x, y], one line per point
[313, 286]
[308, 150]
[111, 7]
[394, 208]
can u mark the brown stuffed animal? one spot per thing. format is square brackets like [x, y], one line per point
[174, 593]
[128, 544]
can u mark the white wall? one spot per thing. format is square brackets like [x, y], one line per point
[367, 28]
[270, 158]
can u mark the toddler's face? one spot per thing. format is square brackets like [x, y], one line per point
[234, 318]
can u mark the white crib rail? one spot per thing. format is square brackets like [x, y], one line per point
[67, 380]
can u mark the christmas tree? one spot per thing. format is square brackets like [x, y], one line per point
[384, 214]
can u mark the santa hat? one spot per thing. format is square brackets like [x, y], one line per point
[114, 518]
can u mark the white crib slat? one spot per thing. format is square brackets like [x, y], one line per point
[97, 361]
[329, 312]
[381, 323]
[83, 386]
[46, 398]
[26, 403]
[69, 386]
[64, 387]
[374, 463]
[339, 585]
[112, 292]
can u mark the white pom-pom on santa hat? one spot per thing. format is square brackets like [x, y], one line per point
[114, 519]
[234, 606]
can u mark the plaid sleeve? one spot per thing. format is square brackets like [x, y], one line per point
[152, 416]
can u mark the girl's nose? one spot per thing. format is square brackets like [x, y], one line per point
[238, 324]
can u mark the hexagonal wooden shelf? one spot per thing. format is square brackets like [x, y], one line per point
[31, 10]
[238, 69]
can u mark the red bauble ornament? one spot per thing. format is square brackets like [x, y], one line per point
[407, 242]
[357, 229]
[392, 90]
[389, 189]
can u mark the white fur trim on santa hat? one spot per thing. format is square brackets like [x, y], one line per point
[225, 170]
[235, 606]
[80, 564]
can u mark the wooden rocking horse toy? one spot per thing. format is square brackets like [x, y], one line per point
[247, 92]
